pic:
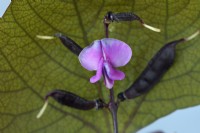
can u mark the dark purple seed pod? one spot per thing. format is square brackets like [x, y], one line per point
[74, 101]
[156, 68]
[125, 16]
[71, 100]
[122, 16]
[69, 43]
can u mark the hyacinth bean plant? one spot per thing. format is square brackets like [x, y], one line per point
[104, 56]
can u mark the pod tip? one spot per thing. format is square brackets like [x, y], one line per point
[45, 37]
[192, 36]
[42, 110]
[151, 28]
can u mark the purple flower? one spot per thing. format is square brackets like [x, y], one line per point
[104, 56]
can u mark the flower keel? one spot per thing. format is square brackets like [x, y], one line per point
[98, 75]
[112, 72]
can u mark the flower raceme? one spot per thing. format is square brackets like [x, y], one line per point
[103, 56]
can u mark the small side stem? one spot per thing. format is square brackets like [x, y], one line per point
[113, 109]
[106, 29]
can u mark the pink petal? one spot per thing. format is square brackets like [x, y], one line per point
[107, 81]
[91, 55]
[98, 75]
[113, 73]
[117, 52]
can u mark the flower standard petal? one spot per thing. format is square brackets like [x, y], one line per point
[91, 55]
[118, 52]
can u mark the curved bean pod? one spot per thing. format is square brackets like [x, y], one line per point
[69, 43]
[156, 68]
[74, 101]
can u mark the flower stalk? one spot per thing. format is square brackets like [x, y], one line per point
[113, 107]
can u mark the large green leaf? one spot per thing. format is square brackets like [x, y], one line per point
[29, 67]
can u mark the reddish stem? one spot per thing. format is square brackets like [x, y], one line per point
[106, 24]
[112, 105]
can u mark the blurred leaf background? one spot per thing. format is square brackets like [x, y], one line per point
[30, 68]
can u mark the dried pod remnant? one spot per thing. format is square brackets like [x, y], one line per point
[156, 68]
[104, 56]
[71, 100]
